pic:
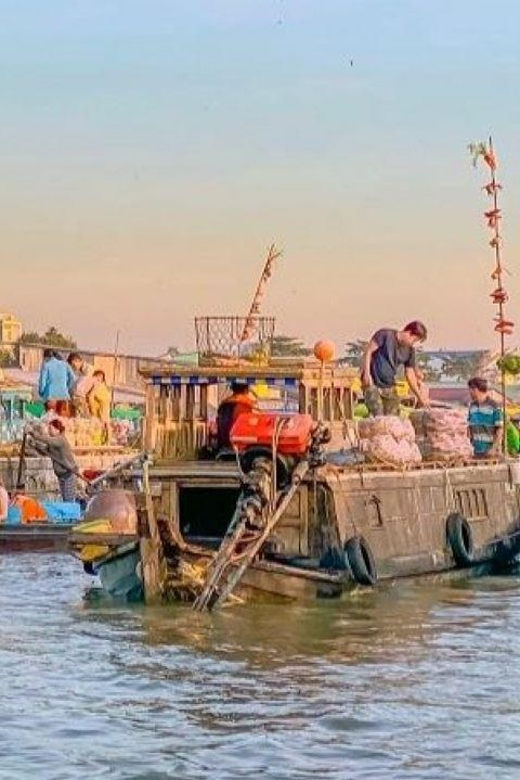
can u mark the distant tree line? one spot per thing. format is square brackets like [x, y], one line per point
[51, 338]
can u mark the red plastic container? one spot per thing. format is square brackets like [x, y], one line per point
[257, 429]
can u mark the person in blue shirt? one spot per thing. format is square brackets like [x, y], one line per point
[56, 383]
[484, 420]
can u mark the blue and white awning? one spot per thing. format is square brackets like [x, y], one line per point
[270, 381]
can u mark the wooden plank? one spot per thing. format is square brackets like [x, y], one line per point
[152, 556]
[78, 539]
[309, 372]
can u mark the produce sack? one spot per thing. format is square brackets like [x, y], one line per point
[389, 441]
[442, 434]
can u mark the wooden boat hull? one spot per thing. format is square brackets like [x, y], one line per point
[402, 518]
[119, 573]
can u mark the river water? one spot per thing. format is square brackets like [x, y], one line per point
[415, 680]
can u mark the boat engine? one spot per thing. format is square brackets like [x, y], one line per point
[270, 447]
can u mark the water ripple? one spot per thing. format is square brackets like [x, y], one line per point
[413, 681]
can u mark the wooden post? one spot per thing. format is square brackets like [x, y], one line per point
[114, 379]
[21, 464]
[152, 554]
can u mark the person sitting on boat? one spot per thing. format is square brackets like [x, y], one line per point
[485, 421]
[56, 382]
[239, 402]
[387, 351]
[55, 446]
[28, 508]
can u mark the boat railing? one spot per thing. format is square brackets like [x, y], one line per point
[179, 440]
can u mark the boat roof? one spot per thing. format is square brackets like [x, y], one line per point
[277, 374]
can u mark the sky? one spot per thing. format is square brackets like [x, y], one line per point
[152, 150]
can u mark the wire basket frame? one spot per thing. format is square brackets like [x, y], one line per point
[234, 340]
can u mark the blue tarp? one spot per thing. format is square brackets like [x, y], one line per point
[62, 511]
[56, 511]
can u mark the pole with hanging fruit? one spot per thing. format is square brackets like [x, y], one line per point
[499, 296]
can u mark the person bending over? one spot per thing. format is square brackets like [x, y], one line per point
[387, 351]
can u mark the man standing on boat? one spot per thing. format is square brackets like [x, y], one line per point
[56, 383]
[55, 446]
[386, 352]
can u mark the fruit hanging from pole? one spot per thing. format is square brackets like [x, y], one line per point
[503, 326]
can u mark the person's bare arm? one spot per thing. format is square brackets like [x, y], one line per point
[415, 387]
[498, 439]
[366, 376]
[4, 505]
[39, 440]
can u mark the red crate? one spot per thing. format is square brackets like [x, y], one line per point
[258, 429]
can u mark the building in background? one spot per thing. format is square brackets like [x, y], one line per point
[11, 329]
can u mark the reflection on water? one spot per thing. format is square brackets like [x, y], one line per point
[415, 680]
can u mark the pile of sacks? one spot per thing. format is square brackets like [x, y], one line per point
[389, 440]
[442, 434]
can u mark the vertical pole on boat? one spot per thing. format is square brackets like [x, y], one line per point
[152, 558]
[21, 464]
[116, 360]
[320, 392]
[499, 295]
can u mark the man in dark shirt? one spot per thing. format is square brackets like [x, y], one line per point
[387, 351]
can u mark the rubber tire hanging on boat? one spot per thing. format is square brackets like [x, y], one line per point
[460, 540]
[361, 561]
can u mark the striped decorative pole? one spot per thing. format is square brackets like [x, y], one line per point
[254, 309]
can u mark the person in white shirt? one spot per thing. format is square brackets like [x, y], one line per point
[83, 372]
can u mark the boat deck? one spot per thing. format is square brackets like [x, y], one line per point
[36, 537]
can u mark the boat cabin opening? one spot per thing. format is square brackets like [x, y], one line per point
[205, 512]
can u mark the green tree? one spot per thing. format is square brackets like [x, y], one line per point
[52, 338]
[463, 367]
[30, 337]
[423, 363]
[354, 351]
[289, 346]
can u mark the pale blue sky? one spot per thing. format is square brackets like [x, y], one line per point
[153, 149]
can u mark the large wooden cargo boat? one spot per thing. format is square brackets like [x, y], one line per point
[206, 527]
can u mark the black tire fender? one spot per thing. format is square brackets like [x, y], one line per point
[361, 561]
[460, 539]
